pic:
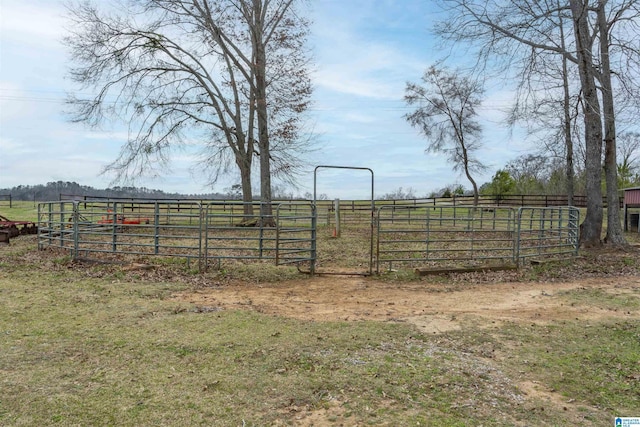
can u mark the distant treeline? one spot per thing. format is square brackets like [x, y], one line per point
[51, 191]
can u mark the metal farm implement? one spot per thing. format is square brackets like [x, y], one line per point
[10, 229]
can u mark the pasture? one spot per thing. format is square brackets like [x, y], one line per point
[154, 342]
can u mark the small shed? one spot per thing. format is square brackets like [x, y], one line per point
[631, 209]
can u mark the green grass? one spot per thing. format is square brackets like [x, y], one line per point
[103, 352]
[595, 363]
[94, 345]
[19, 211]
[591, 367]
[599, 298]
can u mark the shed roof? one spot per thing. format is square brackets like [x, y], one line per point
[632, 197]
[631, 189]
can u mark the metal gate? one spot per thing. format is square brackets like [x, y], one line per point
[202, 233]
[296, 234]
[448, 236]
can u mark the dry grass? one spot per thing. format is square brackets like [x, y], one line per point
[96, 345]
[99, 345]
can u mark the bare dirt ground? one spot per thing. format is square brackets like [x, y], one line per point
[433, 308]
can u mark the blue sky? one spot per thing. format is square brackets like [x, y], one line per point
[364, 53]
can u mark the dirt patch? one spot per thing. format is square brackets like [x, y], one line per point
[432, 308]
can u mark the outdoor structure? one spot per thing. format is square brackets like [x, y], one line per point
[205, 233]
[407, 236]
[381, 235]
[631, 209]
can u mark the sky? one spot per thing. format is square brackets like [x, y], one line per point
[364, 52]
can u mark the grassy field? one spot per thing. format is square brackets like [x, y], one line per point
[19, 211]
[99, 345]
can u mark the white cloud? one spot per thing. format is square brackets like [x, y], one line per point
[366, 69]
[8, 145]
[36, 23]
[365, 51]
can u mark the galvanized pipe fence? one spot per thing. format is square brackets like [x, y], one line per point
[455, 236]
[207, 234]
[201, 233]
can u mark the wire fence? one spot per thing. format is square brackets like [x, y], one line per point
[5, 200]
[511, 200]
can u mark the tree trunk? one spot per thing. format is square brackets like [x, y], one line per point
[465, 159]
[476, 197]
[591, 228]
[569, 171]
[247, 192]
[615, 235]
[266, 211]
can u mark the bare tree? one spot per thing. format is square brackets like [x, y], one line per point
[529, 172]
[628, 159]
[446, 115]
[591, 228]
[501, 29]
[548, 103]
[399, 194]
[183, 71]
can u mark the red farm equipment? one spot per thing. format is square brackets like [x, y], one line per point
[10, 229]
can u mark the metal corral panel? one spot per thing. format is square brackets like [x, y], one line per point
[632, 196]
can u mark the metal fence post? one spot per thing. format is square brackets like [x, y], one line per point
[76, 237]
[114, 229]
[201, 223]
[516, 246]
[61, 224]
[156, 228]
[314, 234]
[261, 238]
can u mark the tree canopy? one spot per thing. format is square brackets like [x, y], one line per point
[445, 113]
[229, 76]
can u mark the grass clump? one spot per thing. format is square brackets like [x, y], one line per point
[600, 298]
[596, 364]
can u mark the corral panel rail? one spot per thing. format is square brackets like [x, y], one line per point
[467, 236]
[296, 234]
[547, 232]
[444, 236]
[190, 230]
[232, 232]
[114, 228]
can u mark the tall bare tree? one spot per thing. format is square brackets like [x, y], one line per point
[224, 72]
[592, 226]
[446, 114]
[503, 28]
[548, 103]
